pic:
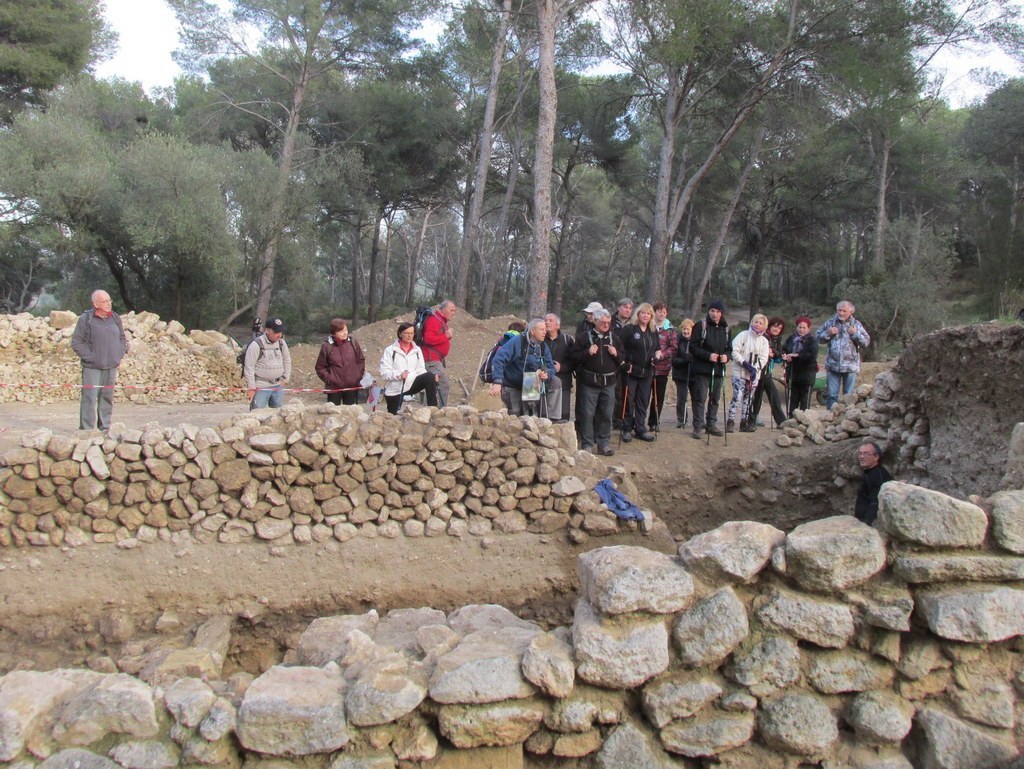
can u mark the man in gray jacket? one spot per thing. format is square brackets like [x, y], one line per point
[267, 367]
[845, 336]
[100, 342]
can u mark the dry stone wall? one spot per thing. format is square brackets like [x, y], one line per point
[837, 645]
[943, 415]
[303, 474]
[165, 364]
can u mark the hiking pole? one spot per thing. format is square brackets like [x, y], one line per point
[654, 399]
[622, 416]
[725, 409]
[711, 393]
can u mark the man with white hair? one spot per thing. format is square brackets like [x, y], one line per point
[844, 335]
[520, 358]
[598, 360]
[100, 342]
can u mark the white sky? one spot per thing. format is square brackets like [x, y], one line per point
[148, 33]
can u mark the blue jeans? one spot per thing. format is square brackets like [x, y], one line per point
[272, 397]
[833, 380]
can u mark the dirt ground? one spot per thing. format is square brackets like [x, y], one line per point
[56, 606]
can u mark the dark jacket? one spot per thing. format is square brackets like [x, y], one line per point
[561, 347]
[100, 342]
[510, 363]
[682, 359]
[803, 370]
[638, 348]
[709, 338]
[867, 495]
[600, 369]
[340, 365]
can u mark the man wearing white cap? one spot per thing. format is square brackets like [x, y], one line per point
[587, 324]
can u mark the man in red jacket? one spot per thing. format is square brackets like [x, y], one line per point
[437, 342]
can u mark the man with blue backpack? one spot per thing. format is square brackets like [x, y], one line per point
[522, 371]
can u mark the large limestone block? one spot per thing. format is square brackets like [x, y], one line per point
[834, 553]
[798, 723]
[469, 619]
[708, 632]
[497, 724]
[949, 743]
[385, 691]
[398, 628]
[629, 747]
[931, 518]
[848, 670]
[985, 701]
[618, 653]
[708, 734]
[922, 569]
[623, 579]
[326, 638]
[1008, 519]
[679, 695]
[26, 699]
[145, 754]
[115, 704]
[586, 706]
[294, 712]
[486, 666]
[76, 758]
[734, 552]
[189, 700]
[880, 717]
[828, 624]
[976, 614]
[767, 667]
[364, 761]
[548, 665]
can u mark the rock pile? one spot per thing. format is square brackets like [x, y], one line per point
[835, 645]
[164, 364]
[303, 474]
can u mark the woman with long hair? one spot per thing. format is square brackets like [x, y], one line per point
[639, 342]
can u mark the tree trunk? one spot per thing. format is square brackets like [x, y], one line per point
[357, 270]
[547, 108]
[881, 220]
[371, 291]
[265, 280]
[471, 230]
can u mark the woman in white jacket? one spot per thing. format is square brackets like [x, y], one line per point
[403, 369]
[749, 356]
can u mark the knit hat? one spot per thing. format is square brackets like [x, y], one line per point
[718, 304]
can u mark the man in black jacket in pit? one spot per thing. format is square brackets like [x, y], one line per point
[869, 457]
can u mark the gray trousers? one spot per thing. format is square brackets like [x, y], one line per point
[97, 405]
[596, 407]
[549, 405]
[443, 385]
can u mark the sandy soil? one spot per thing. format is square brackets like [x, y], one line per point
[54, 603]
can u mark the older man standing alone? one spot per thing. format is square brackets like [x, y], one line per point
[844, 335]
[100, 342]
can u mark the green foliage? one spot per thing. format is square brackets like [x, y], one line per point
[907, 298]
[41, 43]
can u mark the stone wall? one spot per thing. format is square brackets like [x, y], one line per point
[164, 363]
[835, 645]
[943, 415]
[303, 474]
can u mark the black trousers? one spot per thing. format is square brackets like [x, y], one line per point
[799, 397]
[424, 381]
[767, 384]
[344, 398]
[638, 398]
[658, 390]
[706, 393]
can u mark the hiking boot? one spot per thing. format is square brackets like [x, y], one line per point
[713, 430]
[606, 450]
[758, 423]
[730, 426]
[648, 436]
[696, 435]
[747, 427]
[627, 436]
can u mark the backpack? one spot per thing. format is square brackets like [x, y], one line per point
[486, 372]
[422, 313]
[241, 356]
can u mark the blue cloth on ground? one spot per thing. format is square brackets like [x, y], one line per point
[617, 502]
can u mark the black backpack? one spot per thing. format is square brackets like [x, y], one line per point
[486, 372]
[422, 313]
[241, 356]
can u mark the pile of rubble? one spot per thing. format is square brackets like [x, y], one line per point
[305, 474]
[835, 645]
[164, 363]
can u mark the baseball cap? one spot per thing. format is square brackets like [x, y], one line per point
[274, 324]
[592, 307]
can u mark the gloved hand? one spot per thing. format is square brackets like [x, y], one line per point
[749, 368]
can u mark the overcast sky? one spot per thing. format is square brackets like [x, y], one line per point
[147, 32]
